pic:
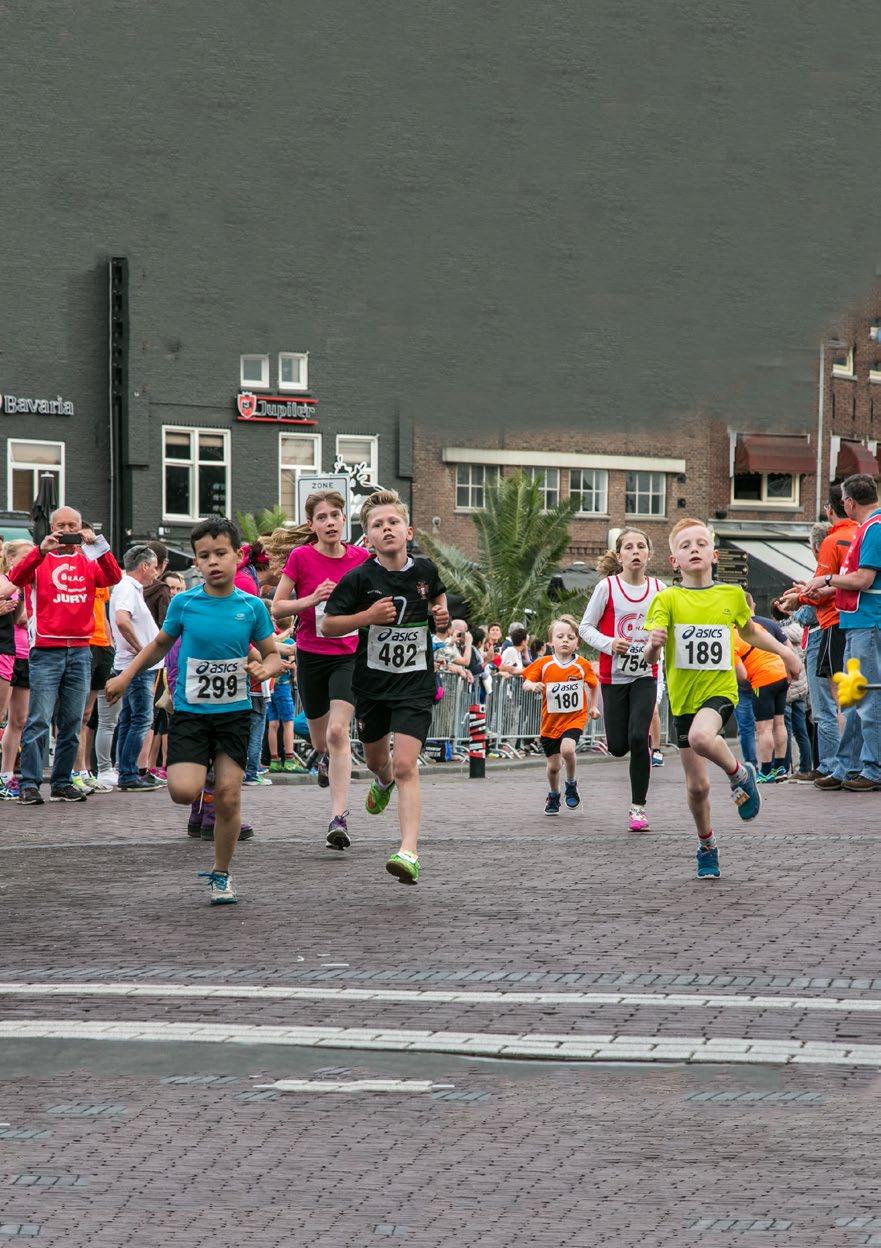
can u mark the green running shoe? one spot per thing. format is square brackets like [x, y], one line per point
[378, 798]
[404, 866]
[276, 765]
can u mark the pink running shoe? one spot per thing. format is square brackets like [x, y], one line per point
[159, 773]
[639, 820]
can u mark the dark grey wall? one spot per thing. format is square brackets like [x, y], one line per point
[468, 213]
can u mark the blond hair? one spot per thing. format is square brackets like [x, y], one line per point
[569, 620]
[688, 522]
[383, 498]
[12, 551]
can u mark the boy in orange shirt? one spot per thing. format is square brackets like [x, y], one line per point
[562, 678]
[769, 682]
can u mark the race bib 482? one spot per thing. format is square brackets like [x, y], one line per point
[399, 648]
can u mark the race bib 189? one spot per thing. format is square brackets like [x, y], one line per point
[564, 697]
[216, 682]
[703, 647]
[400, 648]
[632, 663]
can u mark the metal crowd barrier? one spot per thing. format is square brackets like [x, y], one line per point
[513, 720]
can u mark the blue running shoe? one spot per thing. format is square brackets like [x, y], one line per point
[573, 801]
[708, 864]
[552, 805]
[747, 797]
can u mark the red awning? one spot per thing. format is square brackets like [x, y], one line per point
[854, 457]
[773, 452]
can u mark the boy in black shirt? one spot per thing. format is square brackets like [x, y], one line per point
[389, 600]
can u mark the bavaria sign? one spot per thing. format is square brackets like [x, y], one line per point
[14, 405]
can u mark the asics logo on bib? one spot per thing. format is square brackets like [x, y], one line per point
[695, 631]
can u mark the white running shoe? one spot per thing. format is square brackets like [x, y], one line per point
[97, 785]
[110, 778]
[223, 891]
[638, 820]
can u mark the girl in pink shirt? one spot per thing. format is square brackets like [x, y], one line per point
[324, 664]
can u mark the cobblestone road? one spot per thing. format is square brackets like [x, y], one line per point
[556, 930]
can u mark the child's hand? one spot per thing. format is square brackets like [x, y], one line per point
[594, 713]
[441, 616]
[256, 670]
[532, 686]
[620, 646]
[323, 592]
[381, 612]
[658, 637]
[793, 665]
[113, 690]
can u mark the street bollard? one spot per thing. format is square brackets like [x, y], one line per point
[477, 745]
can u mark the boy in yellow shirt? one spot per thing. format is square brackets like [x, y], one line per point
[693, 623]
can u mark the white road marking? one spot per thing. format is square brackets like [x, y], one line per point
[417, 996]
[582, 1048]
[354, 1085]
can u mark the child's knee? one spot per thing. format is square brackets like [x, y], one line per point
[337, 736]
[227, 798]
[698, 790]
[405, 769]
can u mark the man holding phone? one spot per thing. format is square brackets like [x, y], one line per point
[65, 570]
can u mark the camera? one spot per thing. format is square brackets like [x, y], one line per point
[70, 539]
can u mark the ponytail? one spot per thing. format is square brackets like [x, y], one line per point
[608, 564]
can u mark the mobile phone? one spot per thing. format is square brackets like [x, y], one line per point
[70, 539]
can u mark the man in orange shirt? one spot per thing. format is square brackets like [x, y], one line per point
[766, 674]
[563, 678]
[830, 557]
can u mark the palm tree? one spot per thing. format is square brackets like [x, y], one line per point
[520, 545]
[259, 524]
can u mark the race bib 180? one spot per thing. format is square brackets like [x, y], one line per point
[564, 697]
[216, 682]
[400, 648]
[703, 647]
[632, 663]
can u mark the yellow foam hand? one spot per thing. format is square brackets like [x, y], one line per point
[851, 684]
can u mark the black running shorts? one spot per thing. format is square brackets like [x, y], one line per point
[376, 720]
[682, 723]
[21, 674]
[551, 745]
[770, 700]
[830, 655]
[322, 679]
[199, 738]
[102, 666]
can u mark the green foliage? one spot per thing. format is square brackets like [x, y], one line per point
[520, 547]
[254, 526]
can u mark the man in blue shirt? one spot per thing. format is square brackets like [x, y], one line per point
[219, 628]
[858, 763]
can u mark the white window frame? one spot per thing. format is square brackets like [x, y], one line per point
[62, 466]
[373, 439]
[793, 501]
[263, 383]
[603, 491]
[846, 369]
[875, 373]
[541, 475]
[298, 387]
[193, 464]
[297, 469]
[490, 473]
[647, 515]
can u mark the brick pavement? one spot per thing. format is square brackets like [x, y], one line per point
[509, 899]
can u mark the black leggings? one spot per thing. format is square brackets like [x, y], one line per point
[627, 712]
